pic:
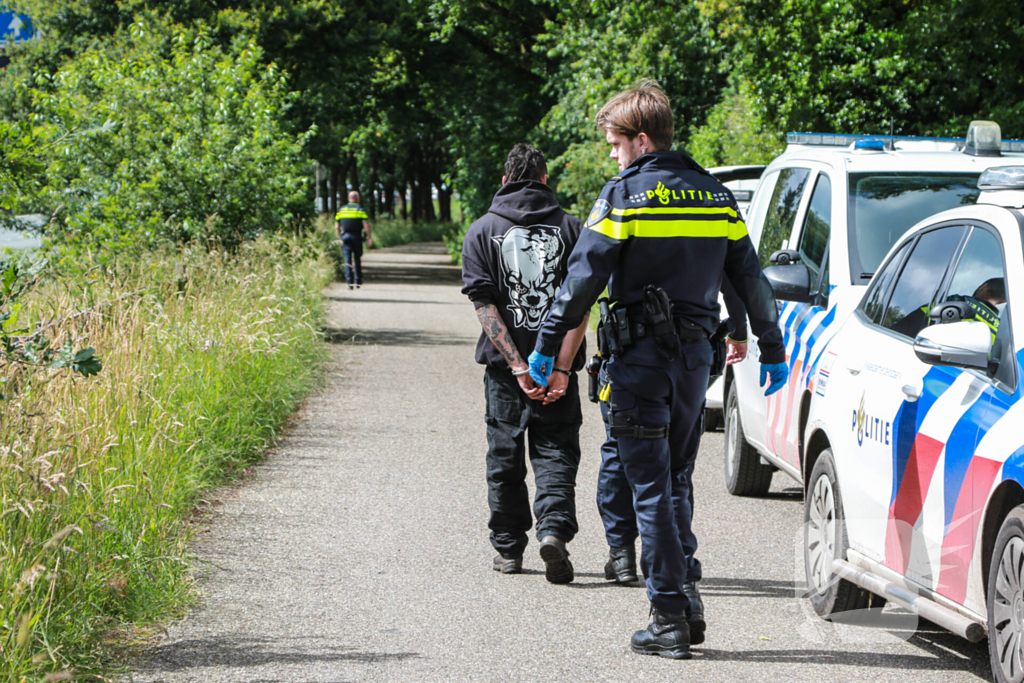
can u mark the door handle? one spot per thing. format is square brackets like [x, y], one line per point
[912, 391]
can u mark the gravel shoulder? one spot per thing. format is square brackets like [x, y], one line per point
[359, 551]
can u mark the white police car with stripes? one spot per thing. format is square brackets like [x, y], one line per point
[913, 435]
[831, 207]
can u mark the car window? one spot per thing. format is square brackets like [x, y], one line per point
[785, 202]
[918, 282]
[874, 300]
[817, 225]
[980, 281]
[883, 206]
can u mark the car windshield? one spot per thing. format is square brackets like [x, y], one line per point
[883, 206]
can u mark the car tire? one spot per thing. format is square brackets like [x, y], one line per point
[824, 540]
[1005, 600]
[745, 474]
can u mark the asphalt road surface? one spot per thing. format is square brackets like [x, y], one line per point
[359, 551]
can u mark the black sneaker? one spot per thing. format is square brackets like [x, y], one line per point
[621, 565]
[696, 618]
[667, 636]
[557, 567]
[351, 286]
[508, 565]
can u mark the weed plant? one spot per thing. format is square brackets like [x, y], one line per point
[205, 356]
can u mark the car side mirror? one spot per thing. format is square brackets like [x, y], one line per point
[791, 283]
[964, 344]
[784, 257]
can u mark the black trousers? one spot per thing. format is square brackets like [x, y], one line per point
[352, 252]
[554, 433]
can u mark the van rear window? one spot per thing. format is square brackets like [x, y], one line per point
[883, 206]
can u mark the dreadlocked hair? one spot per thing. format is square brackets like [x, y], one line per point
[525, 162]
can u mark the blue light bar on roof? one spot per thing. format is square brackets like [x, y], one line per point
[873, 144]
[845, 140]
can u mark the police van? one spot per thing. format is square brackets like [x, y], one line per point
[823, 217]
[912, 437]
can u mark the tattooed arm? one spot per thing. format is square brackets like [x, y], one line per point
[497, 332]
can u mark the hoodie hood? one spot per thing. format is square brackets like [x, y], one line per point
[524, 202]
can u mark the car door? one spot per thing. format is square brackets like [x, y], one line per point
[895, 433]
[952, 513]
[802, 323]
[785, 205]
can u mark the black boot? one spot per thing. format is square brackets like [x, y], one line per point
[696, 618]
[511, 564]
[621, 565]
[668, 636]
[557, 567]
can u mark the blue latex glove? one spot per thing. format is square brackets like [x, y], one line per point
[779, 373]
[540, 367]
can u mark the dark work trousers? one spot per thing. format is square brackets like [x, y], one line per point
[554, 432]
[615, 498]
[352, 252]
[651, 392]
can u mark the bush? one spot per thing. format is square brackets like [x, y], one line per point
[167, 138]
[205, 355]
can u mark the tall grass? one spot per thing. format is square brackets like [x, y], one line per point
[204, 358]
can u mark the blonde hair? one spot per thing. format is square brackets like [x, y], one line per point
[644, 108]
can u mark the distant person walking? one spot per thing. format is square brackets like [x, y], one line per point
[514, 258]
[350, 223]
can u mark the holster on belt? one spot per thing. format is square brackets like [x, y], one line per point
[718, 347]
[658, 313]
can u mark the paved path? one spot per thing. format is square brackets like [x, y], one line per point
[360, 553]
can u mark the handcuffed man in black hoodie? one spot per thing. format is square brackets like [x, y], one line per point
[514, 260]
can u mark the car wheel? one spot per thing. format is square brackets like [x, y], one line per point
[1006, 600]
[745, 474]
[824, 541]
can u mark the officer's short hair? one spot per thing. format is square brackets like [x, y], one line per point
[644, 108]
[525, 162]
[353, 197]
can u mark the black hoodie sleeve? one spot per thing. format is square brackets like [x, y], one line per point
[736, 311]
[479, 282]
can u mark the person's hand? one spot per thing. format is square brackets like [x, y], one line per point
[528, 386]
[540, 367]
[369, 243]
[779, 373]
[736, 351]
[557, 384]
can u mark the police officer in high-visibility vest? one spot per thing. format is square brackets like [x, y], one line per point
[351, 222]
[661, 236]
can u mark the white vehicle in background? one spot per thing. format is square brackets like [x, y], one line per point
[742, 181]
[824, 215]
[913, 432]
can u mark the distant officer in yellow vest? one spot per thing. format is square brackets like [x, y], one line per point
[351, 222]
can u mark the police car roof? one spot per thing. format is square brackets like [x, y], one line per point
[895, 161]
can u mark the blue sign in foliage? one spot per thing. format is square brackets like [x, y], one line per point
[14, 28]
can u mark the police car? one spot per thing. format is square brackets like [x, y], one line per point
[824, 215]
[913, 436]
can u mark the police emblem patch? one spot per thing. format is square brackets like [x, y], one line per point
[601, 209]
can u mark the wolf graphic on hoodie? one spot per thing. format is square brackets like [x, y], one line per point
[515, 257]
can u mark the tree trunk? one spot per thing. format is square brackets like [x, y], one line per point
[429, 215]
[353, 178]
[332, 193]
[404, 210]
[444, 200]
[374, 196]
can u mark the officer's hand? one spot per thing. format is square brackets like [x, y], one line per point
[369, 243]
[557, 384]
[530, 387]
[737, 351]
[779, 373]
[540, 367]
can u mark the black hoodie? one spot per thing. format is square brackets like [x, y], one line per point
[515, 257]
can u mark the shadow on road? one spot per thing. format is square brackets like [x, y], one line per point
[749, 588]
[393, 337]
[410, 274]
[246, 651]
[361, 300]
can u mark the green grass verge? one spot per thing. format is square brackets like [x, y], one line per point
[205, 357]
